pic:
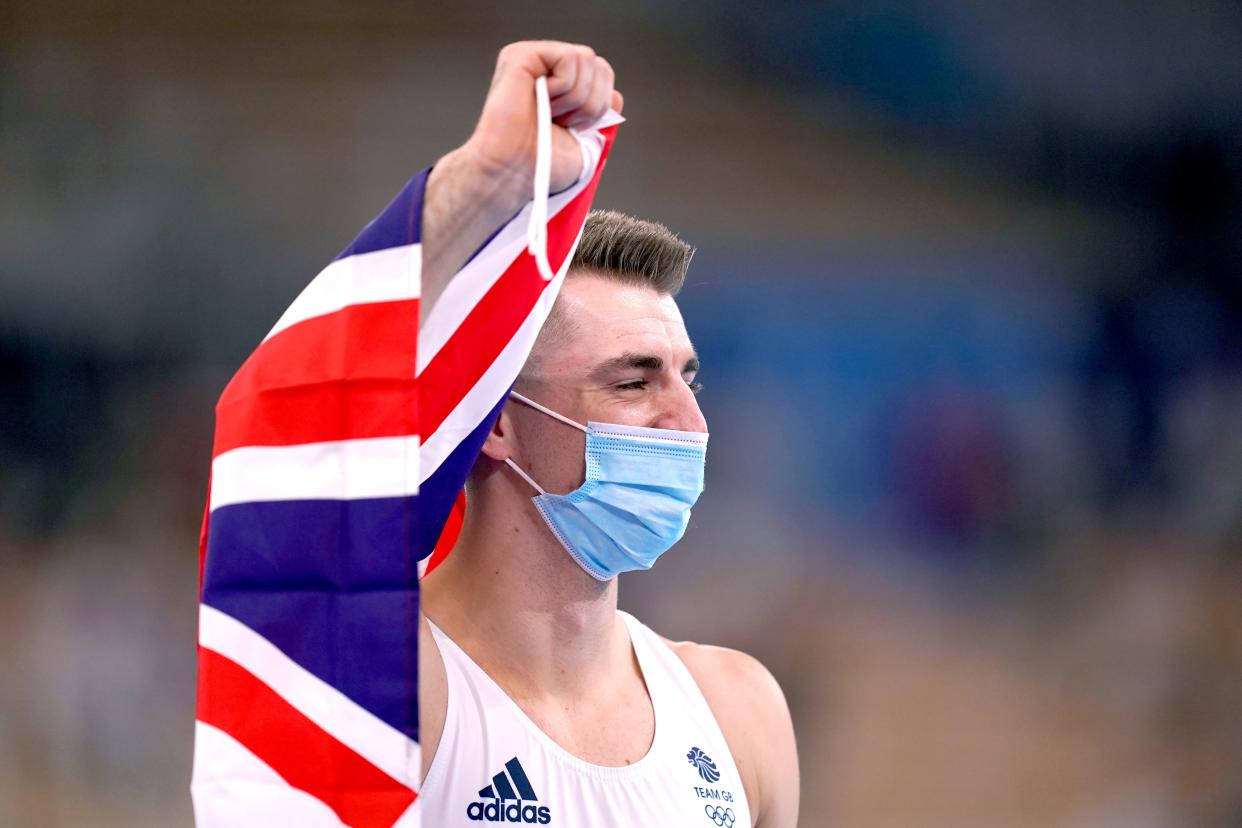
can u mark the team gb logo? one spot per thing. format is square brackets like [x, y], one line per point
[704, 764]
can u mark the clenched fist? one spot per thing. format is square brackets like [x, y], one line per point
[484, 182]
[580, 86]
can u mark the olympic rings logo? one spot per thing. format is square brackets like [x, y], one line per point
[724, 817]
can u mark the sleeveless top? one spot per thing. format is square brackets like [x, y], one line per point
[494, 765]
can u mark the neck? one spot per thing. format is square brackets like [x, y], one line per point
[513, 599]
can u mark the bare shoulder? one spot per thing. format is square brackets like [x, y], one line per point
[750, 707]
[743, 694]
[729, 673]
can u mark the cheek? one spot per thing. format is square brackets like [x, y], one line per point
[556, 458]
[569, 452]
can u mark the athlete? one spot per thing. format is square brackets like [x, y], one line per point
[541, 702]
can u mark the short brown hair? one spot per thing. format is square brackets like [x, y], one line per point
[623, 248]
[628, 249]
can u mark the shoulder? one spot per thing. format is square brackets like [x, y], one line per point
[743, 694]
[750, 707]
[730, 673]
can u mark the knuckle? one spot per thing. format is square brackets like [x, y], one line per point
[508, 55]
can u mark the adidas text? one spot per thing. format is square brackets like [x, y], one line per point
[501, 811]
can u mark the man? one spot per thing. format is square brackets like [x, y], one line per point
[540, 703]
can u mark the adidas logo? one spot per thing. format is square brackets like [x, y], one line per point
[511, 796]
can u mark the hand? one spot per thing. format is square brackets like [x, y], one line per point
[484, 182]
[580, 87]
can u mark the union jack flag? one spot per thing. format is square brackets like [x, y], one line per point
[341, 448]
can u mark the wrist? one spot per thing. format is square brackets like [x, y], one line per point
[503, 188]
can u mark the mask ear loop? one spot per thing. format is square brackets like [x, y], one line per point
[537, 229]
[525, 476]
[549, 412]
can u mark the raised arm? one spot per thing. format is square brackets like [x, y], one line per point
[480, 186]
[483, 183]
[330, 476]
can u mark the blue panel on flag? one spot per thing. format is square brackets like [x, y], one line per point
[438, 492]
[397, 225]
[334, 585]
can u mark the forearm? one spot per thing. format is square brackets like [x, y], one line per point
[464, 203]
[478, 187]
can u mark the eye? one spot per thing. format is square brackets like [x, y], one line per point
[632, 385]
[695, 386]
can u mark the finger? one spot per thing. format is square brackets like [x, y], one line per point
[601, 95]
[564, 106]
[618, 101]
[518, 64]
[562, 70]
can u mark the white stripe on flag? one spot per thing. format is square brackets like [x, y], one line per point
[378, 276]
[480, 399]
[474, 280]
[335, 470]
[349, 723]
[233, 788]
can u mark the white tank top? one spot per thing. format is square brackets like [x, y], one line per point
[494, 765]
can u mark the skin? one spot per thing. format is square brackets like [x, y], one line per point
[509, 595]
[480, 185]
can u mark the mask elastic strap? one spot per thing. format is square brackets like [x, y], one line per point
[549, 412]
[537, 230]
[525, 476]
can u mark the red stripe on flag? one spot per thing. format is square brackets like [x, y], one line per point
[233, 700]
[202, 537]
[349, 374]
[491, 324]
[448, 535]
[344, 375]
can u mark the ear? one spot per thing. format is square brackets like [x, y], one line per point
[498, 446]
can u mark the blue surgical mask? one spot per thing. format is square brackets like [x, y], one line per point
[635, 502]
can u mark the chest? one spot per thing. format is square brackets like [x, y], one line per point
[647, 753]
[614, 729]
[522, 778]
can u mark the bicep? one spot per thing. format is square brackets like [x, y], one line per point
[750, 707]
[762, 715]
[780, 782]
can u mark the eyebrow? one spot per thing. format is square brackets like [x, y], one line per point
[635, 361]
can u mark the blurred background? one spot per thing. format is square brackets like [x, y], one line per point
[969, 299]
